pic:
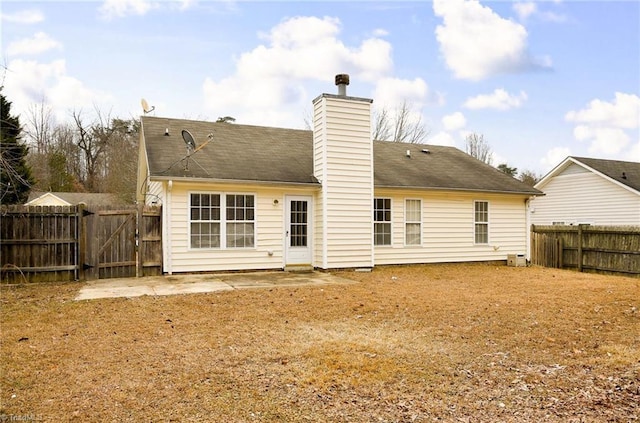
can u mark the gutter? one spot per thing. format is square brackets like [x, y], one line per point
[419, 188]
[234, 181]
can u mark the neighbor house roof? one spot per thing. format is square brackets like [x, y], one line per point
[624, 173]
[72, 198]
[265, 154]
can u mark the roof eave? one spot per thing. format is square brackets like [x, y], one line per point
[315, 185]
[527, 193]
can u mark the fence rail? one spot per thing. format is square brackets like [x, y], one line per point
[602, 249]
[62, 243]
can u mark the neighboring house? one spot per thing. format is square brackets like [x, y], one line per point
[271, 198]
[71, 199]
[593, 191]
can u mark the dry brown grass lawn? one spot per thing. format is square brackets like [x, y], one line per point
[455, 343]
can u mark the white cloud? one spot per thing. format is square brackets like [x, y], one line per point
[606, 125]
[120, 8]
[442, 138]
[623, 112]
[380, 32]
[499, 99]
[37, 44]
[477, 43]
[554, 157]
[30, 16]
[524, 9]
[634, 152]
[392, 92]
[29, 82]
[269, 81]
[454, 121]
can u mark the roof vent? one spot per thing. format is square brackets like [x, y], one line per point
[426, 151]
[624, 175]
[409, 153]
[342, 80]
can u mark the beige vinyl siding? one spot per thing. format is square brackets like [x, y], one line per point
[576, 197]
[155, 193]
[269, 230]
[343, 140]
[448, 228]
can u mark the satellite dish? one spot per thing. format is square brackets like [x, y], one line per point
[189, 140]
[145, 106]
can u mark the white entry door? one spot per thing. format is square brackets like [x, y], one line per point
[298, 230]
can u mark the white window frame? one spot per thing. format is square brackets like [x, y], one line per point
[412, 222]
[227, 221]
[191, 221]
[389, 222]
[476, 222]
[223, 220]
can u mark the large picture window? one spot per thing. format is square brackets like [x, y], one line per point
[382, 221]
[222, 221]
[481, 221]
[413, 222]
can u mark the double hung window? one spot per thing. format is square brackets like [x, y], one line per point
[413, 222]
[382, 221]
[481, 222]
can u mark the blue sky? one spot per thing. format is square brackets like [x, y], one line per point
[539, 80]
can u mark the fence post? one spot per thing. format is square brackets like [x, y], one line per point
[580, 226]
[139, 245]
[560, 253]
[82, 241]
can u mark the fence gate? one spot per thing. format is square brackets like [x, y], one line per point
[112, 243]
[113, 238]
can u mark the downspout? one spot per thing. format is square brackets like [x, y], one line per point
[527, 207]
[166, 227]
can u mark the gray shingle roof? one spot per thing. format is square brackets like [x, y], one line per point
[627, 173]
[237, 152]
[255, 153]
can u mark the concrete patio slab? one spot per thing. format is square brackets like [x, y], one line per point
[201, 283]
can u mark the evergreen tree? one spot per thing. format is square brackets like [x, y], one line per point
[15, 175]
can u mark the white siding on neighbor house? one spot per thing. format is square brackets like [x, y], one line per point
[343, 162]
[448, 228]
[269, 230]
[585, 197]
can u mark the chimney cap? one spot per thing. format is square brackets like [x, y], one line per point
[342, 79]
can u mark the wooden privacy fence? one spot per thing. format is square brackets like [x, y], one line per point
[603, 249]
[62, 243]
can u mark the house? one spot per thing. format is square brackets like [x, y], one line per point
[239, 197]
[39, 198]
[592, 191]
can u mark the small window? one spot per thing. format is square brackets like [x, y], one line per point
[205, 220]
[382, 221]
[481, 221]
[240, 221]
[413, 222]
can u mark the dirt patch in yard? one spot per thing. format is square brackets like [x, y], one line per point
[418, 343]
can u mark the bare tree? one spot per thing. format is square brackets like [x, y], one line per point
[92, 139]
[401, 125]
[477, 147]
[39, 126]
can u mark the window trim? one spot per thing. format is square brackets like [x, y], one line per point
[418, 222]
[389, 222]
[476, 223]
[223, 220]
